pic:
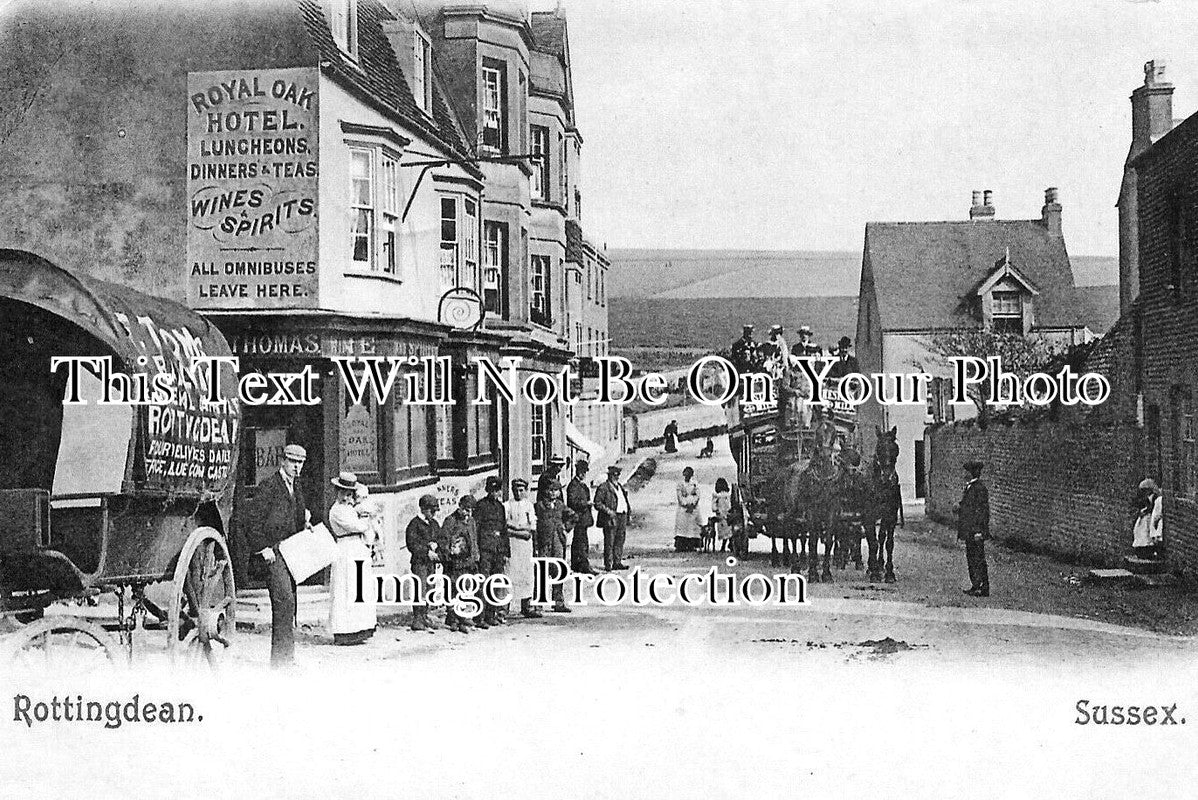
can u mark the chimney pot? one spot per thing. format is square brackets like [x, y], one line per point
[977, 198]
[1050, 195]
[987, 198]
[1154, 72]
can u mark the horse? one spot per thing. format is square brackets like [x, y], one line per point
[887, 505]
[810, 497]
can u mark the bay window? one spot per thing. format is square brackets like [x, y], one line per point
[459, 242]
[362, 206]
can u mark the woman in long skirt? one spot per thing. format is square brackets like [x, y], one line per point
[687, 533]
[349, 622]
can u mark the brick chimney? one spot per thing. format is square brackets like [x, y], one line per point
[1050, 214]
[985, 210]
[1151, 107]
[1151, 118]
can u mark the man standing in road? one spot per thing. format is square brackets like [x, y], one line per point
[578, 500]
[279, 511]
[611, 501]
[422, 537]
[973, 528]
[490, 520]
[550, 481]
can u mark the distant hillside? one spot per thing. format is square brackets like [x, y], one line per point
[781, 273]
[660, 332]
[732, 273]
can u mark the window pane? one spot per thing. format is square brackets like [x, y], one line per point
[361, 235]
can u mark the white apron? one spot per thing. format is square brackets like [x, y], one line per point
[520, 569]
[345, 615]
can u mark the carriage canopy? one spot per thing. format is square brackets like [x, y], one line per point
[185, 447]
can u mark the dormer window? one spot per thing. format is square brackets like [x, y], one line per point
[1007, 299]
[343, 24]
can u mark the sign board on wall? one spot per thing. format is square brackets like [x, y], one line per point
[268, 453]
[252, 188]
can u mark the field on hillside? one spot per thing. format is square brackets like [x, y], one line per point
[689, 325]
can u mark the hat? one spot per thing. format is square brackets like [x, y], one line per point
[614, 470]
[775, 329]
[973, 467]
[558, 461]
[494, 484]
[845, 342]
[1149, 483]
[747, 327]
[295, 453]
[581, 465]
[804, 329]
[467, 501]
[429, 501]
[346, 480]
[519, 483]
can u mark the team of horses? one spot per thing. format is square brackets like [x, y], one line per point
[837, 498]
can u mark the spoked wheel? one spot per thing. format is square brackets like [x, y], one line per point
[201, 623]
[60, 645]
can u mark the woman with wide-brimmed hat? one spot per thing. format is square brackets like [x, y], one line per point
[350, 622]
[1148, 530]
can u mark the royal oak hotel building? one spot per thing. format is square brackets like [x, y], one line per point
[321, 179]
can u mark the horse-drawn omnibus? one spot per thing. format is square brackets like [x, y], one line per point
[110, 498]
[803, 479]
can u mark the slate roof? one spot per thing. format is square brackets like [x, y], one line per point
[924, 272]
[378, 74]
[1097, 307]
[549, 32]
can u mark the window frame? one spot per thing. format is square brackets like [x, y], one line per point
[1182, 441]
[422, 63]
[538, 435]
[541, 272]
[538, 136]
[383, 220]
[499, 269]
[500, 112]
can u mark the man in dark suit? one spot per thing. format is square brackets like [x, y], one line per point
[578, 500]
[973, 528]
[423, 539]
[611, 501]
[279, 511]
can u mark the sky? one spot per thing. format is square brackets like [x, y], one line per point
[788, 124]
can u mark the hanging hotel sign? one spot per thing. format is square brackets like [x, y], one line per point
[252, 188]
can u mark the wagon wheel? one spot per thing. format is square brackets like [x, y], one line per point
[201, 623]
[58, 644]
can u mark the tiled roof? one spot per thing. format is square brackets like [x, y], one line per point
[573, 242]
[1097, 307]
[549, 32]
[924, 271]
[378, 74]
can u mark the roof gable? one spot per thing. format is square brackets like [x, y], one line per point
[927, 274]
[1006, 274]
[377, 72]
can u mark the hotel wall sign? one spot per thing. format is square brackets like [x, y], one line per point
[252, 188]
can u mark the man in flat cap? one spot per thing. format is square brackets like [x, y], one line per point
[490, 521]
[973, 528]
[611, 501]
[578, 500]
[550, 481]
[423, 538]
[278, 512]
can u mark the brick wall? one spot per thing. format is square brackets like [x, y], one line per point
[1059, 487]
